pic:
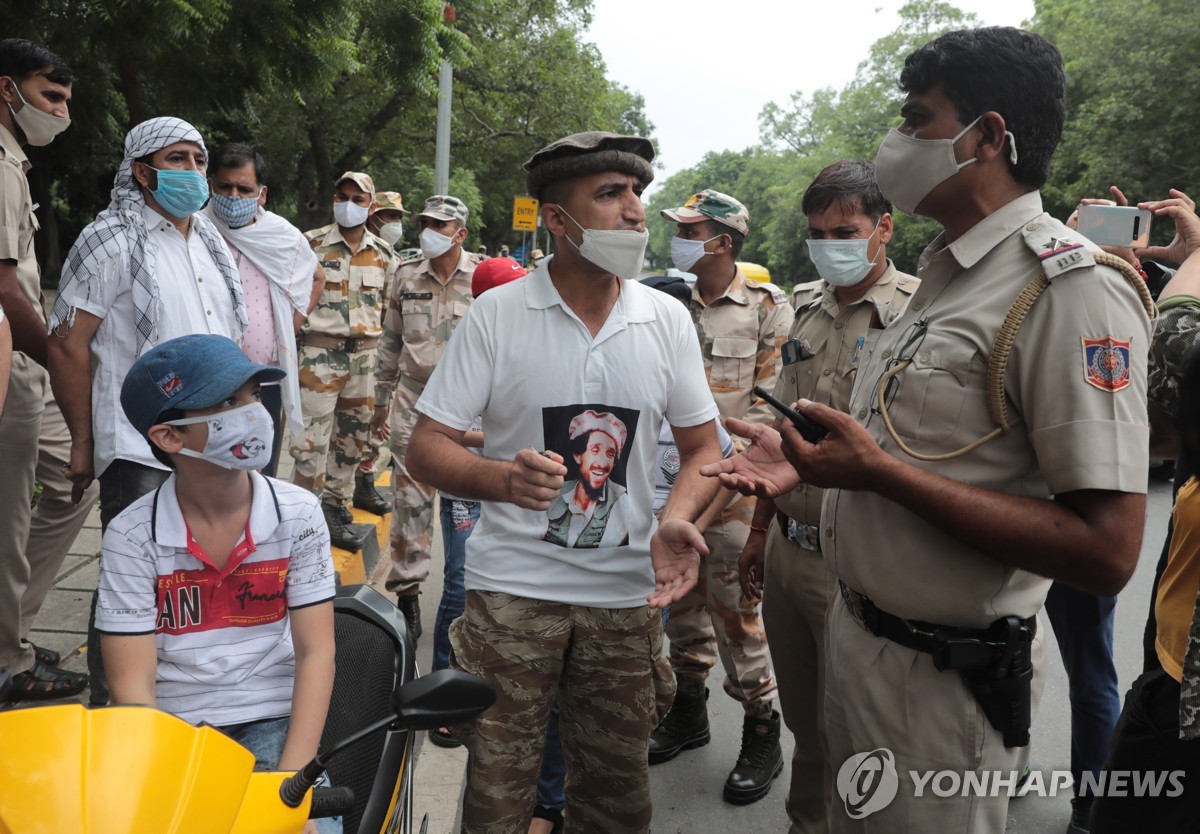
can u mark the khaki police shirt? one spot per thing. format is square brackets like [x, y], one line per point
[355, 284]
[1074, 434]
[422, 313]
[829, 343]
[741, 333]
[17, 221]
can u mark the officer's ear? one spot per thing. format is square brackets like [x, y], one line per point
[885, 229]
[461, 234]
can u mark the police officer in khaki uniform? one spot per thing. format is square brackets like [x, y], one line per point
[35, 445]
[860, 292]
[742, 325]
[338, 348]
[427, 300]
[950, 511]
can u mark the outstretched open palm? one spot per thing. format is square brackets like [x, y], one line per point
[675, 552]
[761, 469]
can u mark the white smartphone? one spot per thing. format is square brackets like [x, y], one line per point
[1115, 225]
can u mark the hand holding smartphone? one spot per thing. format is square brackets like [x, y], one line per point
[809, 429]
[1123, 226]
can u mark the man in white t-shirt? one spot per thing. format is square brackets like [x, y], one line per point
[547, 622]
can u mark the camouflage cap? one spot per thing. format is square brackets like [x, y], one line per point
[589, 153]
[360, 179]
[711, 205]
[389, 201]
[443, 207]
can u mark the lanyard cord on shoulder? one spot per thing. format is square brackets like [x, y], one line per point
[998, 362]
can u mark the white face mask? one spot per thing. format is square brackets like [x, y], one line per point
[685, 254]
[39, 127]
[907, 169]
[392, 232]
[348, 214]
[842, 263]
[241, 438]
[617, 251]
[434, 243]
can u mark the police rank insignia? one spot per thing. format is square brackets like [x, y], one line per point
[1106, 363]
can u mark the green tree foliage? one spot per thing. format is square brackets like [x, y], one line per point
[320, 87]
[1131, 121]
[803, 136]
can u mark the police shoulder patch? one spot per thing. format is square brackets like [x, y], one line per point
[1106, 363]
[1056, 247]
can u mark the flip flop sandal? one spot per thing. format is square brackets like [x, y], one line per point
[552, 815]
[44, 683]
[442, 738]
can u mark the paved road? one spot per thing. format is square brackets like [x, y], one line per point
[687, 791]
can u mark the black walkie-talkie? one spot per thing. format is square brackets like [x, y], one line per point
[810, 430]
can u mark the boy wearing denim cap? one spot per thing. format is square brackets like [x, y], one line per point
[216, 589]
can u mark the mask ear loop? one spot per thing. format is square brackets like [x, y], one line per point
[1012, 147]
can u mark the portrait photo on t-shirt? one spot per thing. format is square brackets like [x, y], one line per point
[594, 441]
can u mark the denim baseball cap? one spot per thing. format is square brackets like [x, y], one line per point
[187, 373]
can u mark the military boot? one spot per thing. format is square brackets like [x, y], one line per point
[758, 764]
[366, 497]
[410, 607]
[340, 534]
[685, 726]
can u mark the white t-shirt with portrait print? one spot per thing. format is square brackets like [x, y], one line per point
[529, 366]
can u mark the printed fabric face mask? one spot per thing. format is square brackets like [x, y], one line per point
[620, 252]
[907, 169]
[685, 254]
[241, 438]
[434, 243]
[842, 263]
[39, 127]
[180, 193]
[235, 212]
[391, 232]
[348, 214]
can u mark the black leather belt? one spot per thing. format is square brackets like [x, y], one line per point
[951, 648]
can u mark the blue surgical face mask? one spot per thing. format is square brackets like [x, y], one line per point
[235, 212]
[180, 193]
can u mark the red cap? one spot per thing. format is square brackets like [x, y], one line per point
[493, 272]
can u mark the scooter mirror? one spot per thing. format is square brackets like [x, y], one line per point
[442, 699]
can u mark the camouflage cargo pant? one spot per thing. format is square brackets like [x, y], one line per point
[337, 397]
[715, 618]
[606, 669]
[411, 532]
[370, 456]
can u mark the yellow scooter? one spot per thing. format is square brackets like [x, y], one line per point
[137, 770]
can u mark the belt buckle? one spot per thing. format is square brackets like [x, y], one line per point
[350, 345]
[804, 535]
[861, 608]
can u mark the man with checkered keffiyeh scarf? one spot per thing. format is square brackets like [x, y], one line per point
[134, 278]
[138, 275]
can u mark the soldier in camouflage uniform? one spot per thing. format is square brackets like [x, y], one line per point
[338, 347]
[742, 325]
[385, 221]
[426, 301]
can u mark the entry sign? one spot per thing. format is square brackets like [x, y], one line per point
[525, 213]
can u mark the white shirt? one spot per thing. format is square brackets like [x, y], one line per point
[529, 366]
[195, 299]
[223, 637]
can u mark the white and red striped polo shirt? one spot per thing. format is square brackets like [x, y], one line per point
[223, 636]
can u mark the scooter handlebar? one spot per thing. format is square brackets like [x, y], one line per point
[331, 802]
